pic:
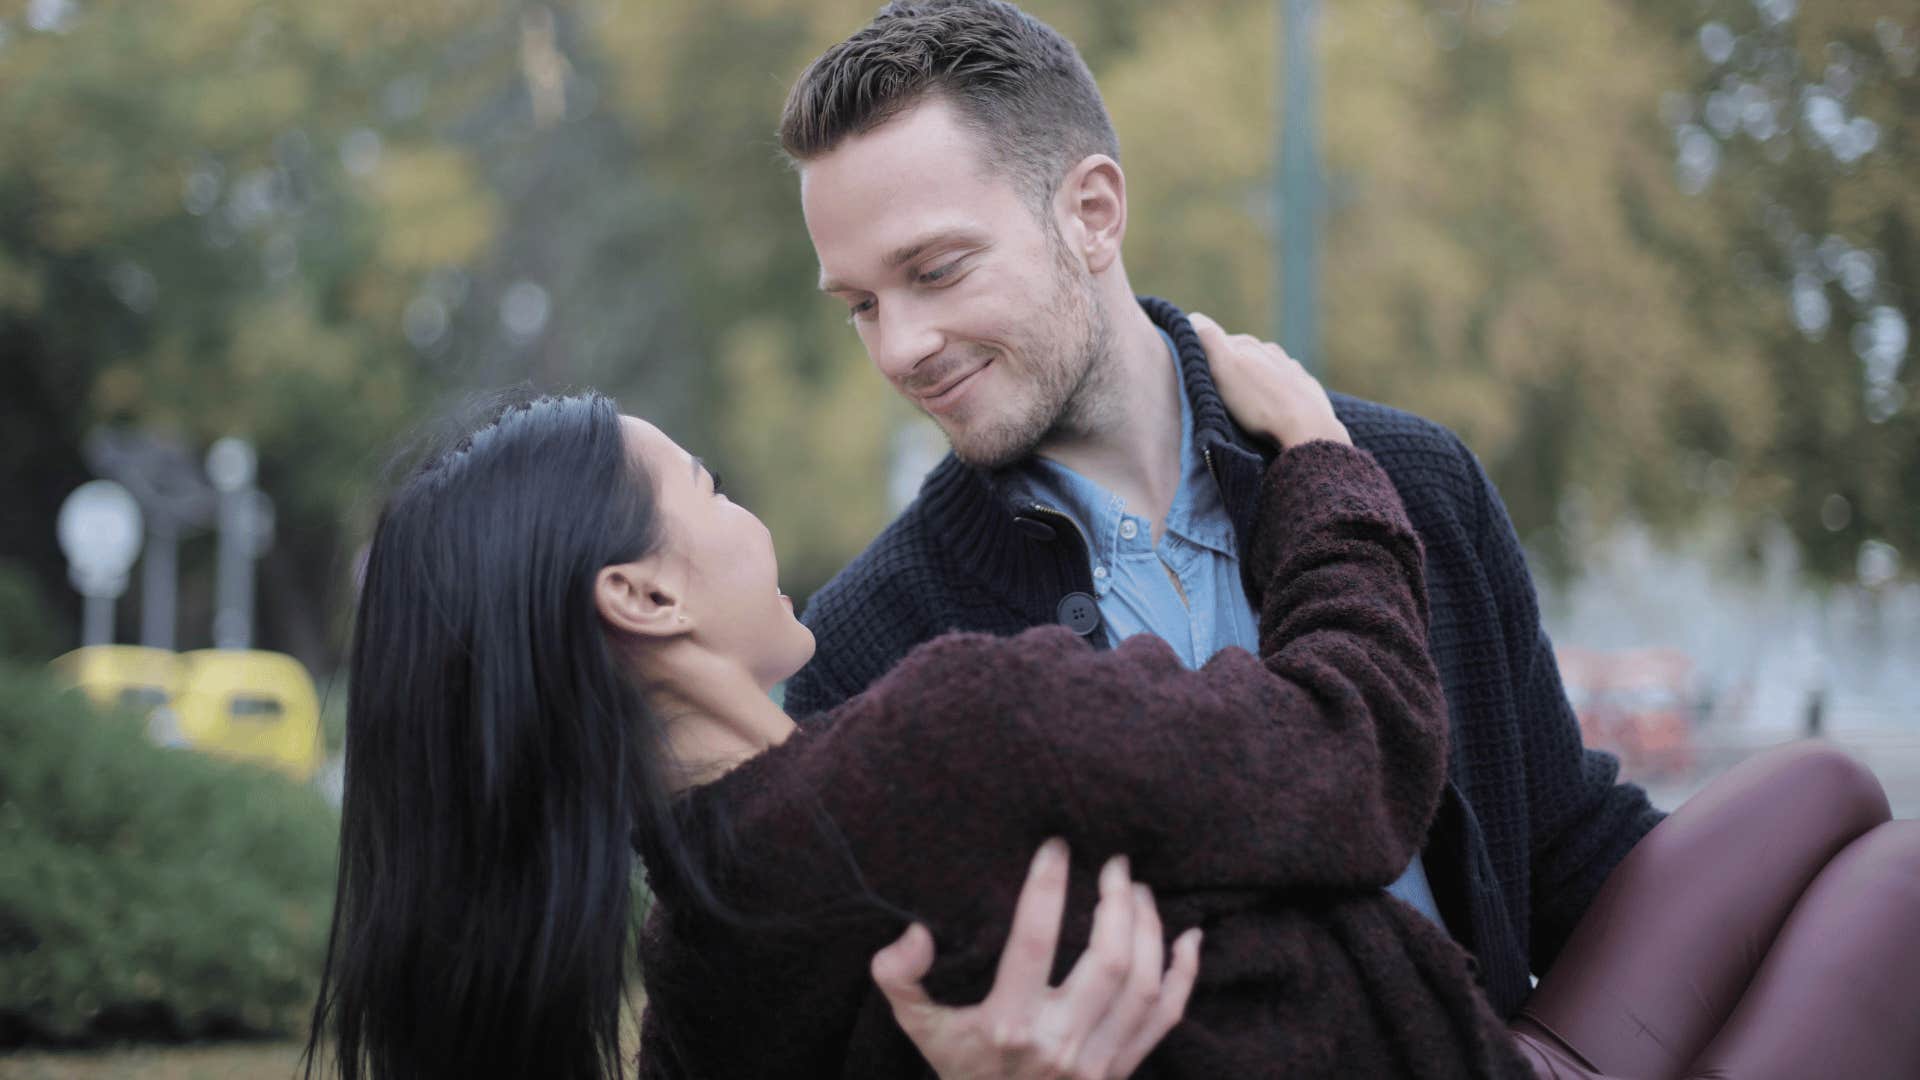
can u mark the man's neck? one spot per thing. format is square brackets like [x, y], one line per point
[1134, 450]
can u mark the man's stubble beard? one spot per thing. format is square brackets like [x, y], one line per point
[1072, 398]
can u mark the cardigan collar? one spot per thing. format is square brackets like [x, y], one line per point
[1033, 558]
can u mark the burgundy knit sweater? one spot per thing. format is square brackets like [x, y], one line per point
[1267, 800]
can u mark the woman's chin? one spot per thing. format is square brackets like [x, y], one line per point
[802, 651]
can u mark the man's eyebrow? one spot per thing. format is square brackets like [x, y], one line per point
[906, 253]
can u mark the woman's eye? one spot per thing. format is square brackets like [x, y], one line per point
[718, 487]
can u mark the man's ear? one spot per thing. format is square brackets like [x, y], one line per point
[638, 598]
[1095, 194]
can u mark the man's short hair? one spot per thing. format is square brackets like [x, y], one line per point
[1019, 85]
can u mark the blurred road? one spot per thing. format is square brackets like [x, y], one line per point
[1893, 753]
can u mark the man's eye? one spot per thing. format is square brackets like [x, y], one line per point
[934, 276]
[856, 310]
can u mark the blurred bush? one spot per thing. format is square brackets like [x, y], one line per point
[149, 892]
[30, 629]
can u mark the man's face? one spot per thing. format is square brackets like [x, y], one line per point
[965, 300]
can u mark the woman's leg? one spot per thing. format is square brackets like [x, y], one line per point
[1675, 936]
[1836, 995]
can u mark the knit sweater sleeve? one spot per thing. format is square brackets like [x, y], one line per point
[1584, 821]
[1316, 766]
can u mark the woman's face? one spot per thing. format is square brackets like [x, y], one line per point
[720, 560]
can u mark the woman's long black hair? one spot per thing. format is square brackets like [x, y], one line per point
[500, 765]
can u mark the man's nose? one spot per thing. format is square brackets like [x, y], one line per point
[904, 335]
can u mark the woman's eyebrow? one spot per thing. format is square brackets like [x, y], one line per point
[698, 467]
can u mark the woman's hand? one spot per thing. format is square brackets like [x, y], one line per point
[1100, 1024]
[1267, 391]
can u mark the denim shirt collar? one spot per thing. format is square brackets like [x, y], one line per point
[1196, 516]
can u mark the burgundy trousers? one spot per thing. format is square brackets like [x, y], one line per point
[1768, 928]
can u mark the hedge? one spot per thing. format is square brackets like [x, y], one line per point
[145, 891]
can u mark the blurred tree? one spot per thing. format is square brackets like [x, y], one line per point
[309, 226]
[1512, 252]
[1795, 130]
[201, 233]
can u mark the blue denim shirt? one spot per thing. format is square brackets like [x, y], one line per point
[1186, 588]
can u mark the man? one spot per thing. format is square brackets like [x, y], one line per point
[961, 183]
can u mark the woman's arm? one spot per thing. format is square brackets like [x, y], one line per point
[1315, 767]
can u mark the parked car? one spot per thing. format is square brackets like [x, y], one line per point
[1637, 704]
[239, 703]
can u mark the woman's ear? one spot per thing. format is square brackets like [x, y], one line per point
[637, 598]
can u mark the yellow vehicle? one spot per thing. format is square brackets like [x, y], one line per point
[131, 676]
[245, 703]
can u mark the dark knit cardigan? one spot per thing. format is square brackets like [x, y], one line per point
[1530, 822]
[1268, 800]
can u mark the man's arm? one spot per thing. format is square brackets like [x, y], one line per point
[1581, 819]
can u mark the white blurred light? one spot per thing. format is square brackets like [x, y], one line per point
[1776, 11]
[1865, 134]
[1758, 119]
[1858, 275]
[360, 152]
[1824, 115]
[134, 285]
[1699, 157]
[1839, 80]
[251, 202]
[1716, 43]
[201, 191]
[1880, 340]
[1812, 312]
[1885, 401]
[1835, 512]
[1879, 563]
[1723, 113]
[50, 16]
[524, 310]
[424, 322]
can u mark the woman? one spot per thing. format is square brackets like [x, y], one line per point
[565, 643]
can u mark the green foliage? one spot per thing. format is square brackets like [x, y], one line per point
[314, 225]
[145, 890]
[29, 627]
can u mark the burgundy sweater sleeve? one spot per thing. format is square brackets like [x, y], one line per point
[1311, 769]
[1314, 767]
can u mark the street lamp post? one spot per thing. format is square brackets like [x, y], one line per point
[1298, 199]
[99, 531]
[245, 522]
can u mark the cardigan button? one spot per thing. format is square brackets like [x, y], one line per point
[1079, 613]
[1035, 528]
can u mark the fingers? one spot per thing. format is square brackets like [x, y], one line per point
[1141, 992]
[1027, 961]
[898, 969]
[1176, 987]
[1099, 978]
[1266, 391]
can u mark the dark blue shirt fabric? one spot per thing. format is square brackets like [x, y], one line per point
[1531, 822]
